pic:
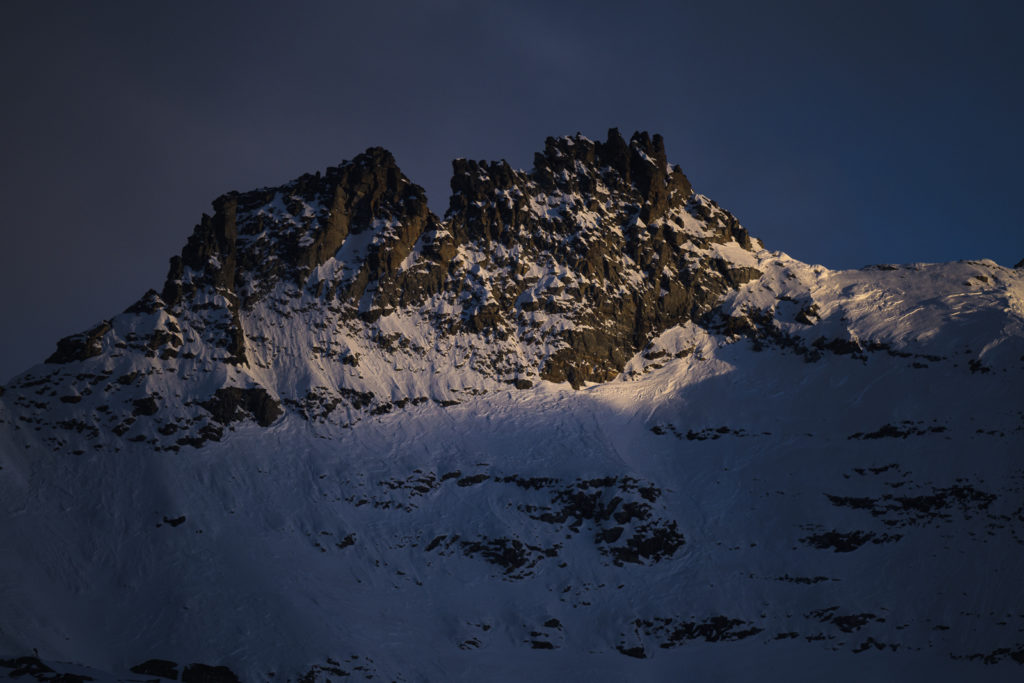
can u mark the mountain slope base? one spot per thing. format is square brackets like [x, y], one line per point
[496, 536]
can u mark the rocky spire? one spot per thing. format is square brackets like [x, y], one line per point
[283, 233]
[637, 171]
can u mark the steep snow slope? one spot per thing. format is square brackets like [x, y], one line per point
[655, 518]
[345, 438]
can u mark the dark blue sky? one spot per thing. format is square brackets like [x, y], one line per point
[842, 133]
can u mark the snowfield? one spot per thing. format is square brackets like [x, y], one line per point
[294, 549]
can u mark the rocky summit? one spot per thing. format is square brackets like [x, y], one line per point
[582, 426]
[340, 294]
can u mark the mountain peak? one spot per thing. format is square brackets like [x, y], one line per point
[376, 394]
[339, 294]
[256, 239]
[641, 163]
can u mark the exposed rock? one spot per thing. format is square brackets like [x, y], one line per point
[808, 315]
[475, 479]
[257, 239]
[80, 346]
[847, 623]
[517, 558]
[145, 406]
[161, 668]
[230, 404]
[148, 304]
[675, 632]
[561, 212]
[636, 652]
[845, 542]
[31, 666]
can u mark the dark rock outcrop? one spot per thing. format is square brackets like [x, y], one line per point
[256, 239]
[231, 404]
[80, 346]
[598, 209]
[160, 668]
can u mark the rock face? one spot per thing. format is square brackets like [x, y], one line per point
[340, 295]
[606, 224]
[80, 346]
[257, 241]
[594, 235]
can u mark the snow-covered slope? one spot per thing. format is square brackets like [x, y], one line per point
[582, 426]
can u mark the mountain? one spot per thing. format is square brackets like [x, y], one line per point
[584, 425]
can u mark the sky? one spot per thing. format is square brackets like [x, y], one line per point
[841, 133]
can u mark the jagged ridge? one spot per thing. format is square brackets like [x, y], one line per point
[314, 294]
[340, 294]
